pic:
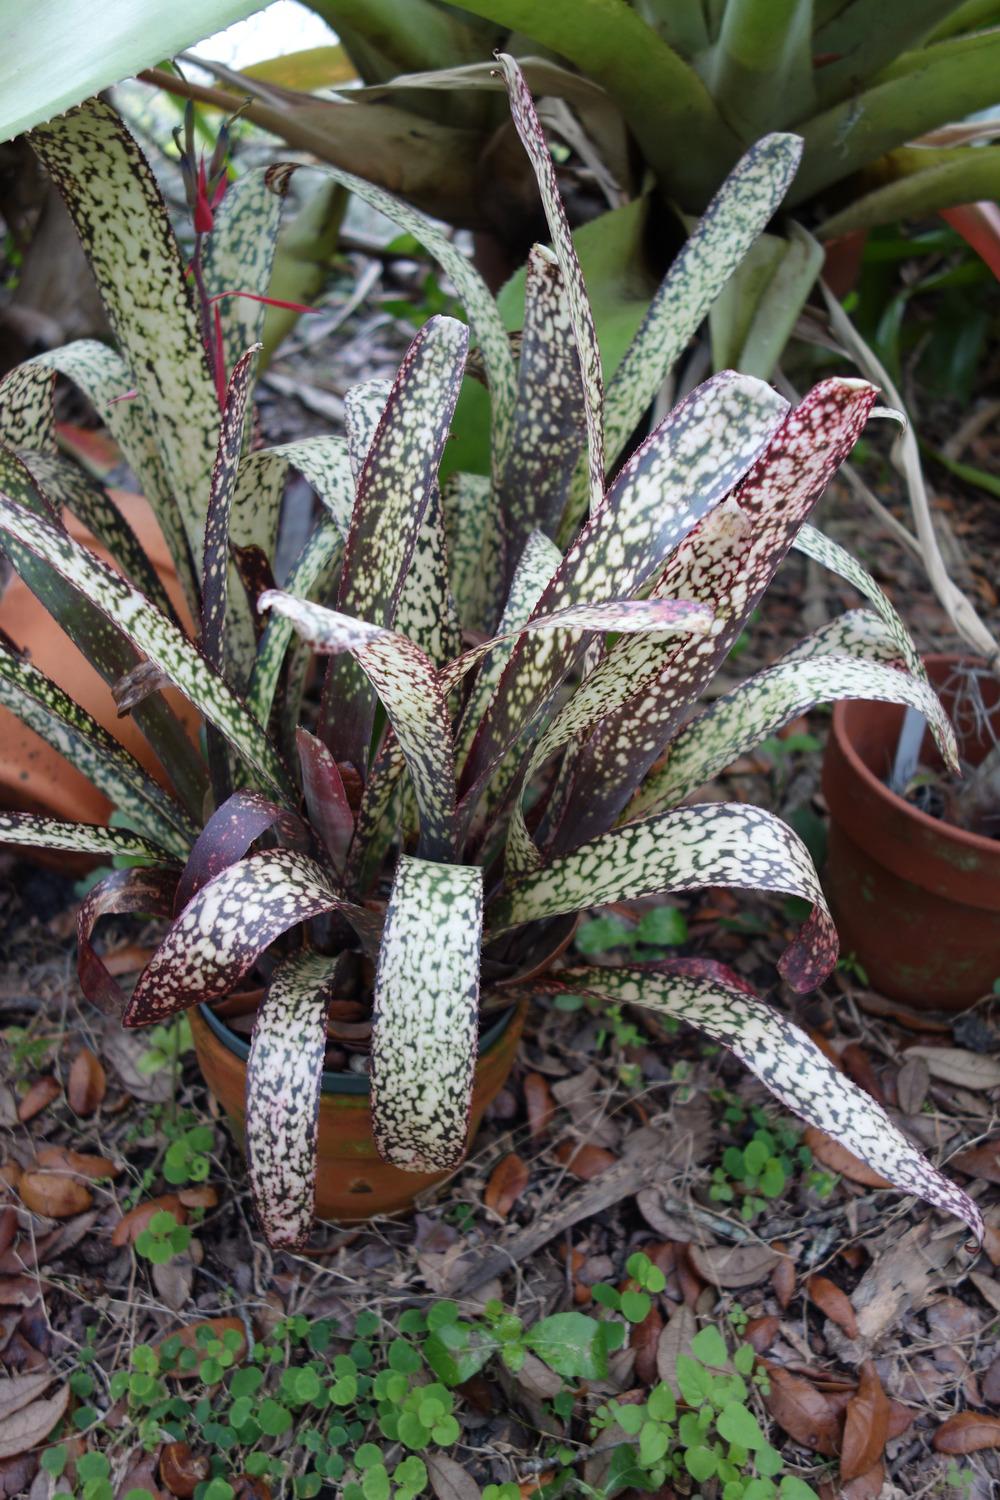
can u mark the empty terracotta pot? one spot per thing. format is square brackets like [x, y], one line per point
[353, 1182]
[33, 776]
[914, 898]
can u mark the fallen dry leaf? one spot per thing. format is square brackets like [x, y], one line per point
[585, 1162]
[783, 1276]
[733, 1266]
[967, 1432]
[181, 1470]
[54, 1158]
[802, 1411]
[645, 1341]
[837, 1158]
[912, 1083]
[450, 1480]
[508, 1181]
[54, 1194]
[674, 1340]
[901, 1418]
[137, 1219]
[829, 1298]
[866, 1425]
[18, 1291]
[867, 1486]
[8, 1226]
[967, 1070]
[17, 1390]
[858, 1067]
[991, 1384]
[538, 1103]
[987, 1287]
[981, 1161]
[10, 1174]
[202, 1196]
[762, 1332]
[87, 1083]
[39, 1096]
[31, 1425]
[535, 1377]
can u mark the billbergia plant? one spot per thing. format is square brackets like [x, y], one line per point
[504, 733]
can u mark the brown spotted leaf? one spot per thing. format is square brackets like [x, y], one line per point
[508, 1181]
[967, 1432]
[866, 1425]
[87, 1083]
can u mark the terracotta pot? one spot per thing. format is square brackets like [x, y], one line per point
[33, 776]
[353, 1183]
[916, 899]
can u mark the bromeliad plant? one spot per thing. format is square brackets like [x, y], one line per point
[450, 810]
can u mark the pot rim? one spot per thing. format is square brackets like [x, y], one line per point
[339, 1083]
[938, 826]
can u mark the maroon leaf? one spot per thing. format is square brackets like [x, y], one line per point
[227, 836]
[327, 798]
[149, 891]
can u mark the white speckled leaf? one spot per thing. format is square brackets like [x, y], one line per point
[69, 729]
[857, 632]
[708, 844]
[225, 927]
[215, 567]
[786, 1060]
[152, 633]
[474, 538]
[830, 554]
[407, 682]
[769, 700]
[363, 408]
[424, 1032]
[308, 576]
[123, 224]
[476, 298]
[591, 377]
[36, 831]
[284, 1075]
[735, 217]
[238, 256]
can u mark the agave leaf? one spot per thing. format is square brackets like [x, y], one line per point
[822, 549]
[122, 221]
[478, 301]
[102, 641]
[152, 633]
[533, 140]
[641, 690]
[725, 232]
[407, 682]
[690, 848]
[394, 490]
[550, 425]
[766, 702]
[36, 831]
[64, 484]
[697, 454]
[284, 1077]
[309, 574]
[225, 927]
[238, 256]
[215, 567]
[149, 891]
[227, 836]
[788, 1062]
[103, 377]
[426, 1015]
[44, 707]
[326, 799]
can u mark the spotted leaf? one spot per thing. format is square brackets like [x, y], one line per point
[36, 831]
[227, 836]
[284, 1076]
[308, 576]
[148, 891]
[215, 567]
[830, 554]
[785, 1059]
[426, 1015]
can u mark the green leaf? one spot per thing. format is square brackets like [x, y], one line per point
[709, 1346]
[715, 1001]
[423, 1045]
[635, 1306]
[284, 1071]
[571, 1344]
[36, 831]
[274, 1419]
[738, 1425]
[152, 633]
[661, 927]
[701, 1463]
[830, 554]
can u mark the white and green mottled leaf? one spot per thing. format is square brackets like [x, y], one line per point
[857, 632]
[27, 416]
[284, 1077]
[590, 373]
[822, 549]
[122, 221]
[700, 451]
[737, 214]
[225, 927]
[474, 539]
[310, 573]
[322, 463]
[690, 848]
[785, 1059]
[476, 298]
[425, 1022]
[75, 734]
[238, 256]
[727, 561]
[408, 684]
[363, 408]
[549, 428]
[767, 702]
[153, 634]
[36, 831]
[215, 565]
